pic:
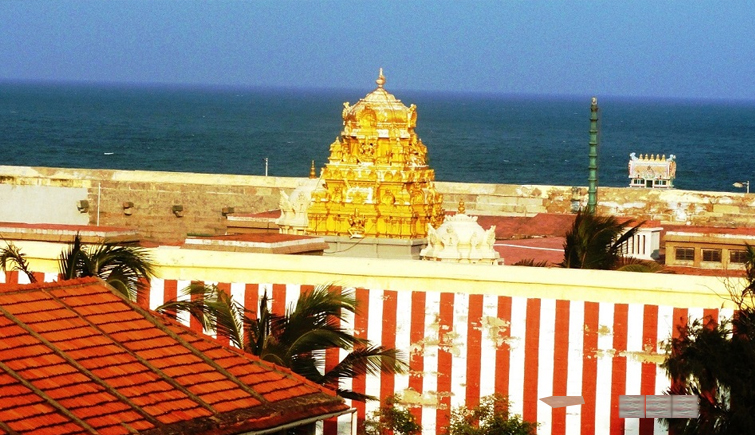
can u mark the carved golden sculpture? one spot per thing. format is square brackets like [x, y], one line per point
[377, 175]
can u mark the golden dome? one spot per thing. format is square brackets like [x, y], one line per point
[379, 110]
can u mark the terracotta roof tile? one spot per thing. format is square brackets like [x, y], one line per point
[77, 356]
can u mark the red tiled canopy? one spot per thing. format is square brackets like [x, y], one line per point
[75, 358]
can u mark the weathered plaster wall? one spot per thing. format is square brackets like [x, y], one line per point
[472, 330]
[55, 191]
[153, 194]
[34, 203]
[668, 206]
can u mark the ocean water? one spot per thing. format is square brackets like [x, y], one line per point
[470, 138]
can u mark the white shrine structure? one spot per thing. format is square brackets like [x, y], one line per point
[652, 171]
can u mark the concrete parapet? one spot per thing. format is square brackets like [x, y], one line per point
[36, 194]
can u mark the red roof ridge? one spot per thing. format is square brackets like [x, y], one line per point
[76, 282]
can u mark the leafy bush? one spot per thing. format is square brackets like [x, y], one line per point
[490, 417]
[392, 417]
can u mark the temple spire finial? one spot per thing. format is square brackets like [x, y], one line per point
[381, 79]
[462, 208]
[312, 173]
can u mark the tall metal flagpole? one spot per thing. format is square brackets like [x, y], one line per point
[592, 179]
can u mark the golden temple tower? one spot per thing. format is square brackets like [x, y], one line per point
[376, 182]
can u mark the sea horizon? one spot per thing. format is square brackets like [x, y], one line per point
[357, 89]
[471, 137]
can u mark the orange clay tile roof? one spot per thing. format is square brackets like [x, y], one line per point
[76, 358]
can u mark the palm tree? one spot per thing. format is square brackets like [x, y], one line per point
[297, 340]
[12, 256]
[123, 267]
[595, 242]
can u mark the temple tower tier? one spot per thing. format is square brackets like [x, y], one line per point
[377, 182]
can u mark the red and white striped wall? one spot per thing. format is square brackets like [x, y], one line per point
[462, 346]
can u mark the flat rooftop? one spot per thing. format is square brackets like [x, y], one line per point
[272, 243]
[44, 232]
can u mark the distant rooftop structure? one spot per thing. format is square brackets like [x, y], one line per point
[652, 171]
[77, 358]
[708, 247]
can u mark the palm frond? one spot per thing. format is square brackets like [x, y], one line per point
[630, 264]
[353, 395]
[324, 301]
[214, 309]
[12, 256]
[322, 308]
[368, 360]
[195, 305]
[229, 318]
[258, 330]
[530, 262]
[310, 366]
[73, 261]
[321, 338]
[596, 242]
[112, 262]
[122, 288]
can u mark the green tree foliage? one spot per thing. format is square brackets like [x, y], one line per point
[123, 267]
[299, 338]
[716, 362]
[392, 418]
[490, 417]
[595, 242]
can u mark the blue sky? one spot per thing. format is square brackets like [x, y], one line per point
[642, 48]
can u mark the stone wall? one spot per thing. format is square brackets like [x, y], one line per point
[51, 195]
[202, 198]
[668, 206]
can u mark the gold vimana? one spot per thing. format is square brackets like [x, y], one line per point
[377, 182]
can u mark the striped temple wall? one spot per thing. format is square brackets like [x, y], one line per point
[478, 331]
